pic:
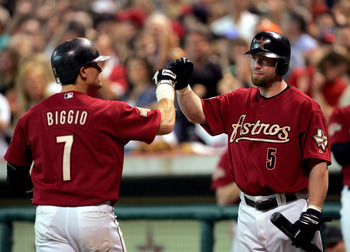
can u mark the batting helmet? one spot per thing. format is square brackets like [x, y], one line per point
[272, 45]
[70, 56]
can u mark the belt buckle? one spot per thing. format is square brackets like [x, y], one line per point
[258, 204]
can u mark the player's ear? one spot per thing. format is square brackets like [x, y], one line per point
[82, 72]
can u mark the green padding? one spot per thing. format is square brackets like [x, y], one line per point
[133, 212]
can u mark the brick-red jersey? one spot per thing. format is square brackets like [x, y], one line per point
[339, 132]
[222, 174]
[77, 145]
[269, 139]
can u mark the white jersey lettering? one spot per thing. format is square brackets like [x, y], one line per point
[249, 131]
[64, 117]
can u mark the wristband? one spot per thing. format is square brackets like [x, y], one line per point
[184, 91]
[165, 90]
[314, 207]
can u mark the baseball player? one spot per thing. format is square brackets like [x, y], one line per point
[222, 182]
[277, 138]
[76, 144]
[226, 190]
[339, 137]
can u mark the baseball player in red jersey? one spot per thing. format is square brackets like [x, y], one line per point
[277, 138]
[339, 138]
[76, 143]
[226, 190]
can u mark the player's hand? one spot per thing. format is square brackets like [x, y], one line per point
[183, 68]
[306, 227]
[29, 194]
[164, 76]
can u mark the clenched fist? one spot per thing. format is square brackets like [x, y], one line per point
[183, 68]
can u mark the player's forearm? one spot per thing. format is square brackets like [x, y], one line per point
[167, 119]
[318, 184]
[191, 105]
[227, 194]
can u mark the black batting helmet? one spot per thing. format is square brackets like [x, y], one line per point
[272, 45]
[70, 56]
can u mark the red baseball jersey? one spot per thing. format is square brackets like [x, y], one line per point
[339, 132]
[77, 145]
[269, 139]
[222, 174]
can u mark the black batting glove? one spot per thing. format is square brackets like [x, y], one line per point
[164, 76]
[306, 227]
[183, 68]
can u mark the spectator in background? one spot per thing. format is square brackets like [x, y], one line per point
[34, 83]
[159, 27]
[114, 74]
[207, 73]
[324, 82]
[74, 25]
[142, 92]
[8, 69]
[238, 19]
[342, 42]
[339, 137]
[237, 70]
[5, 116]
[4, 19]
[340, 10]
[302, 44]
[207, 70]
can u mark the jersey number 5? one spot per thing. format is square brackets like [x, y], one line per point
[66, 157]
[271, 158]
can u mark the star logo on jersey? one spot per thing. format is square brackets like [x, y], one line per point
[321, 139]
[260, 43]
[143, 111]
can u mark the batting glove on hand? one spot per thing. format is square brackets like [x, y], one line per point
[164, 76]
[306, 227]
[183, 68]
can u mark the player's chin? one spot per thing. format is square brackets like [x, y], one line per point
[257, 81]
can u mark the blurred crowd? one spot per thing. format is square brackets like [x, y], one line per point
[144, 36]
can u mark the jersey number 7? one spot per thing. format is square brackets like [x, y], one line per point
[66, 157]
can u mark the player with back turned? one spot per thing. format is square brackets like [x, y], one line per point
[277, 138]
[339, 136]
[76, 143]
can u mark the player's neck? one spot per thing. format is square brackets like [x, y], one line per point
[273, 90]
[73, 87]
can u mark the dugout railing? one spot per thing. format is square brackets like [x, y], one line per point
[208, 215]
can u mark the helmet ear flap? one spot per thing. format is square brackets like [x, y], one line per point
[281, 67]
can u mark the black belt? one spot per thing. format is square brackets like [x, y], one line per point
[264, 205]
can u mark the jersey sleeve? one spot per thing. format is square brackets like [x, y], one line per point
[316, 137]
[18, 153]
[214, 111]
[222, 175]
[139, 124]
[338, 128]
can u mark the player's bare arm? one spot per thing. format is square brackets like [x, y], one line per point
[165, 79]
[167, 119]
[191, 105]
[227, 194]
[318, 184]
